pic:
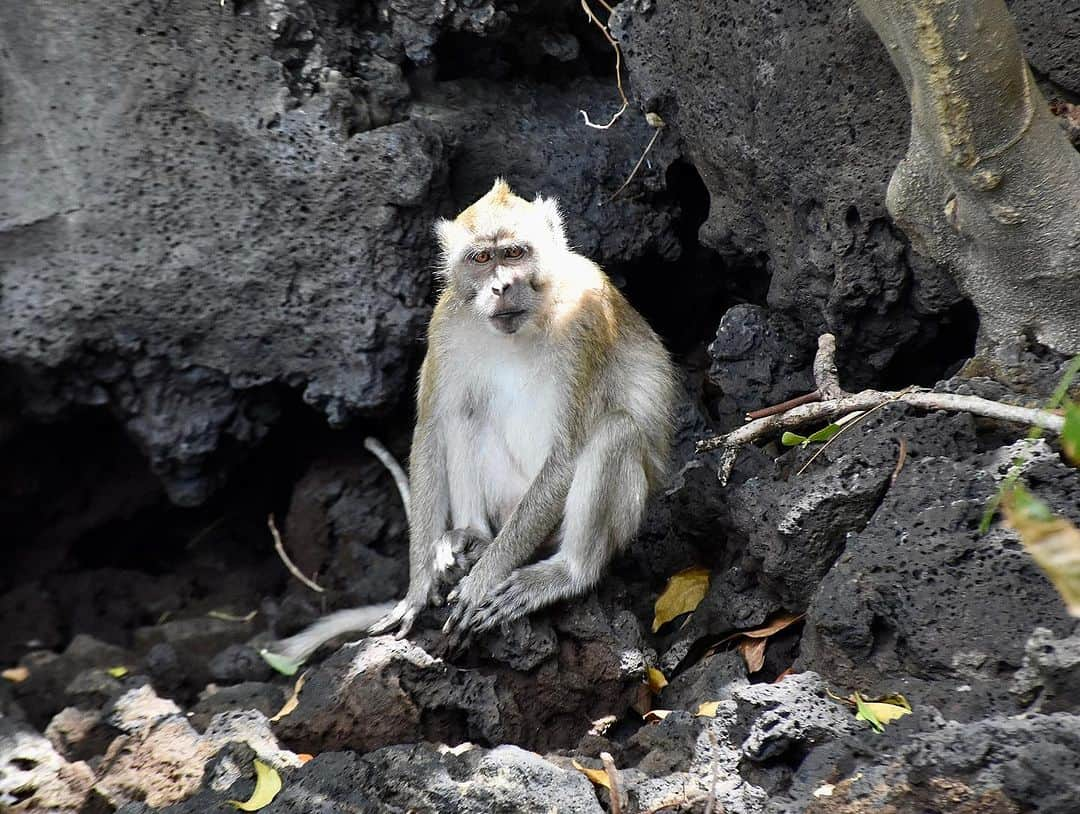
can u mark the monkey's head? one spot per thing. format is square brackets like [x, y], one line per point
[495, 253]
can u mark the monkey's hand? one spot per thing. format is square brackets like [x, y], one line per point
[467, 600]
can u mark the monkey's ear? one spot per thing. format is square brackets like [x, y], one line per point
[549, 210]
[448, 234]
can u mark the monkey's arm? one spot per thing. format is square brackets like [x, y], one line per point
[429, 510]
[533, 520]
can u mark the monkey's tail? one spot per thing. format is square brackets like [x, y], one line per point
[297, 648]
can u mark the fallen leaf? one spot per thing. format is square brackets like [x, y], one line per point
[782, 621]
[287, 667]
[753, 653]
[599, 777]
[708, 709]
[267, 785]
[224, 616]
[878, 713]
[304, 757]
[656, 679]
[294, 699]
[792, 439]
[655, 715]
[824, 434]
[1070, 434]
[825, 790]
[1052, 541]
[16, 675]
[683, 592]
[790, 671]
[117, 672]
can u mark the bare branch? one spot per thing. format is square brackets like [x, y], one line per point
[280, 549]
[784, 406]
[613, 779]
[843, 403]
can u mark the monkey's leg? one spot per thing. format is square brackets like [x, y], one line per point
[604, 509]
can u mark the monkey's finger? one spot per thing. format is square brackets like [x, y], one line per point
[407, 621]
[390, 621]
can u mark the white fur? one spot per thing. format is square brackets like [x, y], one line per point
[493, 456]
[297, 648]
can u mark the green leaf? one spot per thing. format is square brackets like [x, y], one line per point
[285, 666]
[267, 786]
[1070, 435]
[792, 439]
[1029, 506]
[824, 434]
[117, 672]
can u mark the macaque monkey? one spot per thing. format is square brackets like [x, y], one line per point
[544, 416]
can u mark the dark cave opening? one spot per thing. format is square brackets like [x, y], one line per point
[684, 299]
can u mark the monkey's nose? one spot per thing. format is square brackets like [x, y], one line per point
[500, 288]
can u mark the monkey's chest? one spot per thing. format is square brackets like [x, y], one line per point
[509, 414]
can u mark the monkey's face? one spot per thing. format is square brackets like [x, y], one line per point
[504, 283]
[495, 254]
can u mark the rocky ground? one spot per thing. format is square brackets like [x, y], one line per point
[214, 275]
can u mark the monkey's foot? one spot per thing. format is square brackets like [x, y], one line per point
[400, 619]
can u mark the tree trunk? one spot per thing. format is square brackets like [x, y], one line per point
[990, 185]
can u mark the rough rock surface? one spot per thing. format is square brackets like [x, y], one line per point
[215, 242]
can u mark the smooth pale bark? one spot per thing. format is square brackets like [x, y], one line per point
[990, 185]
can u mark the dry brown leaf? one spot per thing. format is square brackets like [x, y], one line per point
[16, 675]
[304, 757]
[753, 653]
[790, 671]
[683, 592]
[784, 620]
[656, 715]
[1052, 541]
[599, 777]
[656, 679]
[294, 699]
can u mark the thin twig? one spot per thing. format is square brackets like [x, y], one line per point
[613, 778]
[375, 447]
[850, 424]
[900, 459]
[618, 69]
[784, 406]
[280, 549]
[637, 166]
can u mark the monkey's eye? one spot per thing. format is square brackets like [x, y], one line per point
[513, 252]
[481, 257]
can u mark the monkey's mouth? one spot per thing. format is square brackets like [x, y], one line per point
[509, 320]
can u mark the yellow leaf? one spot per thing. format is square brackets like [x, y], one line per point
[294, 699]
[879, 713]
[656, 679]
[267, 785]
[16, 675]
[683, 592]
[598, 776]
[708, 709]
[117, 672]
[654, 715]
[753, 652]
[1052, 541]
[285, 666]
